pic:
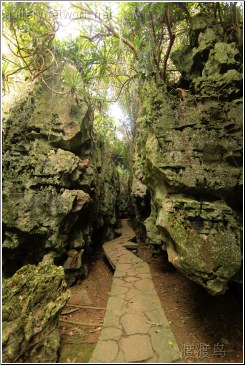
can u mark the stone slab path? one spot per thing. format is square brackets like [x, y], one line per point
[135, 328]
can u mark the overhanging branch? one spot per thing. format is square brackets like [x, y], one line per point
[110, 29]
[170, 45]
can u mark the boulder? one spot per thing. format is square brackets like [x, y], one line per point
[31, 303]
[203, 240]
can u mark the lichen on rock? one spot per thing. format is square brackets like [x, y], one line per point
[56, 185]
[191, 159]
[31, 302]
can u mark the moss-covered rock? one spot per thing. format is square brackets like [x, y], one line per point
[108, 190]
[153, 236]
[203, 240]
[54, 181]
[31, 302]
[140, 196]
[189, 153]
[211, 63]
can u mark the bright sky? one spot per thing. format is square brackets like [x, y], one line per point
[117, 114]
[67, 27]
[66, 13]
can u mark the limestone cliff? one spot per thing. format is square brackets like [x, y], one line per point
[54, 180]
[108, 186]
[191, 159]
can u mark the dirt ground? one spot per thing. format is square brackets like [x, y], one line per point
[77, 341]
[208, 329]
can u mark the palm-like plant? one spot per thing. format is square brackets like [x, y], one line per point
[7, 80]
[73, 80]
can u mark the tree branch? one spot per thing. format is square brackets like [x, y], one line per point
[120, 92]
[98, 35]
[14, 72]
[160, 42]
[170, 45]
[110, 29]
[183, 7]
[7, 60]
[122, 87]
[19, 51]
[47, 67]
[155, 56]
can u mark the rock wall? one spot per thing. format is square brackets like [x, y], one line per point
[191, 159]
[124, 197]
[108, 186]
[55, 189]
[31, 303]
[140, 194]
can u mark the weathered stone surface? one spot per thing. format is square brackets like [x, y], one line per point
[134, 323]
[203, 240]
[108, 187]
[140, 198]
[74, 260]
[58, 188]
[137, 348]
[163, 342]
[111, 333]
[190, 158]
[107, 351]
[153, 236]
[213, 55]
[43, 197]
[31, 302]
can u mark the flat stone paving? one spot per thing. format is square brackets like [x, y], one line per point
[135, 328]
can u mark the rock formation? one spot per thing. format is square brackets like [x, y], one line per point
[31, 302]
[191, 159]
[57, 188]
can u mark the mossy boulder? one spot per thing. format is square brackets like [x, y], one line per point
[190, 155]
[31, 303]
[203, 240]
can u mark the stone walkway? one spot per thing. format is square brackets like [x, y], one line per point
[135, 328]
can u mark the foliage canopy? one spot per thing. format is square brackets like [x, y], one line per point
[117, 45]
